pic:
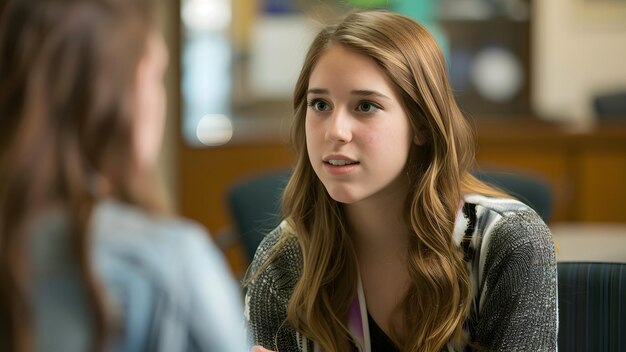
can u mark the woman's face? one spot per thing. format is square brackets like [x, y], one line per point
[151, 101]
[357, 132]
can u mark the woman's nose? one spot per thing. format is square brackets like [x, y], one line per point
[339, 127]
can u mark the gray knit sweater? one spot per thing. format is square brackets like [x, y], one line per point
[510, 257]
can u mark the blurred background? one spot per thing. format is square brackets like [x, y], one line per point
[544, 83]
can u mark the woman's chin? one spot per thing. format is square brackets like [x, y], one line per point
[343, 196]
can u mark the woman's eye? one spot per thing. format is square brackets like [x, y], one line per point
[367, 107]
[319, 105]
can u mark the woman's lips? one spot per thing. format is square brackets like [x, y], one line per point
[340, 168]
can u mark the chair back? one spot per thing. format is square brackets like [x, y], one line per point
[592, 306]
[530, 189]
[254, 204]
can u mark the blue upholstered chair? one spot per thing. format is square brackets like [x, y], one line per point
[530, 189]
[592, 306]
[254, 205]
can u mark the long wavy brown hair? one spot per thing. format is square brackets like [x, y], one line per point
[67, 130]
[438, 301]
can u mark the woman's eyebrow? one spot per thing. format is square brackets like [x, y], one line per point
[317, 91]
[362, 92]
[359, 92]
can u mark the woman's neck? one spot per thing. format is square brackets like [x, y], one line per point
[377, 225]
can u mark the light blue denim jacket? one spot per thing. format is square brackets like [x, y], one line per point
[167, 284]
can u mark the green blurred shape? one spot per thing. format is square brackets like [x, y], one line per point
[425, 12]
[422, 11]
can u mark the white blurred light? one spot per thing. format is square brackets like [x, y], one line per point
[206, 15]
[214, 130]
[497, 74]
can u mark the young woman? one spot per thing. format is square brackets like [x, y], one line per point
[88, 259]
[389, 242]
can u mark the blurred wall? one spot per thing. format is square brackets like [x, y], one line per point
[579, 50]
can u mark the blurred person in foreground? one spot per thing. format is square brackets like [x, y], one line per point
[88, 258]
[389, 243]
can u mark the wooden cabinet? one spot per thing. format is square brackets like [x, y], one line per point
[206, 175]
[586, 168]
[601, 186]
